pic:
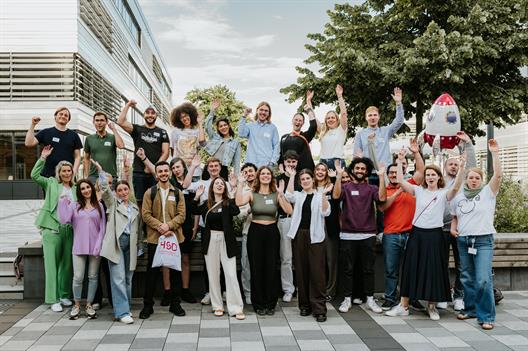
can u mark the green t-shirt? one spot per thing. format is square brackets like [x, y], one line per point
[102, 150]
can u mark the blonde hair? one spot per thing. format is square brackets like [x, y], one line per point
[264, 103]
[325, 128]
[63, 108]
[476, 170]
[371, 109]
[58, 168]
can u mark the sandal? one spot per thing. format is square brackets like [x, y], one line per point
[487, 326]
[464, 316]
[218, 313]
[240, 316]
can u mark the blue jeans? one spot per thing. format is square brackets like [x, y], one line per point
[476, 276]
[393, 250]
[330, 162]
[121, 279]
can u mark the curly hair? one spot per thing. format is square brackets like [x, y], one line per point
[186, 108]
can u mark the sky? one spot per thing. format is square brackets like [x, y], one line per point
[252, 46]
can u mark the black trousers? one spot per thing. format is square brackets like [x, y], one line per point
[99, 293]
[309, 260]
[458, 290]
[349, 251]
[151, 278]
[263, 253]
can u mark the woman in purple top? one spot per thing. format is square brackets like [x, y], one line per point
[88, 220]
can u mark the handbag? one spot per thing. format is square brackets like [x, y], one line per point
[168, 253]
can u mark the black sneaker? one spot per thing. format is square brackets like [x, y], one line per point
[261, 312]
[305, 312]
[417, 305]
[320, 318]
[166, 299]
[329, 298]
[387, 305]
[270, 311]
[177, 310]
[187, 296]
[146, 312]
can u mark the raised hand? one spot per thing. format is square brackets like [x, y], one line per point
[140, 153]
[339, 90]
[401, 155]
[200, 118]
[332, 173]
[309, 96]
[493, 146]
[35, 120]
[199, 191]
[381, 171]
[132, 103]
[242, 177]
[215, 104]
[111, 126]
[463, 136]
[126, 163]
[358, 153]
[281, 168]
[232, 180]
[247, 111]
[328, 188]
[291, 171]
[413, 146]
[196, 161]
[338, 168]
[397, 96]
[281, 186]
[97, 165]
[46, 151]
[462, 161]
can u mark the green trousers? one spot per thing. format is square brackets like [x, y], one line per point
[57, 249]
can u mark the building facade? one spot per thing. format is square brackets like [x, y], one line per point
[87, 55]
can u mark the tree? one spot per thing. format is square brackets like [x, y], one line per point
[472, 49]
[511, 214]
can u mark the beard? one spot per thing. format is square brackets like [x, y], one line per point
[360, 177]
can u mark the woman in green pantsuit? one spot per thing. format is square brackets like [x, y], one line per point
[57, 239]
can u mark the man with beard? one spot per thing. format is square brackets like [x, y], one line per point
[65, 142]
[250, 171]
[263, 137]
[358, 227]
[398, 215]
[450, 171]
[152, 139]
[163, 215]
[102, 148]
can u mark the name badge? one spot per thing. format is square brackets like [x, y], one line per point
[267, 135]
[354, 193]
[328, 197]
[472, 251]
[171, 198]
[55, 140]
[156, 134]
[269, 202]
[107, 143]
[219, 210]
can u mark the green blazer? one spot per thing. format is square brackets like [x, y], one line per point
[47, 217]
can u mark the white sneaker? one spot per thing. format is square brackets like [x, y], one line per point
[126, 320]
[75, 311]
[287, 297]
[96, 306]
[206, 299]
[345, 305]
[357, 301]
[433, 313]
[458, 305]
[56, 307]
[66, 302]
[90, 312]
[441, 305]
[372, 305]
[398, 310]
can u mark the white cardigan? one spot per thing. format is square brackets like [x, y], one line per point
[317, 226]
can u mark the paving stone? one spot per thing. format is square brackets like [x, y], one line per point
[309, 335]
[512, 339]
[148, 343]
[275, 331]
[180, 328]
[337, 329]
[17, 345]
[337, 339]
[151, 333]
[62, 330]
[381, 343]
[319, 345]
[447, 341]
[410, 338]
[47, 339]
[214, 332]
[45, 348]
[280, 340]
[118, 339]
[180, 347]
[246, 336]
[182, 338]
[112, 347]
[75, 345]
[438, 331]
[348, 347]
[28, 335]
[247, 345]
[213, 342]
[247, 327]
[419, 347]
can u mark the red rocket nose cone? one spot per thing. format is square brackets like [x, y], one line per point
[445, 99]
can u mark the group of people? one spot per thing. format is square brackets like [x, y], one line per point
[319, 221]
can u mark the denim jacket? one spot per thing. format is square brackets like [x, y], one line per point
[232, 151]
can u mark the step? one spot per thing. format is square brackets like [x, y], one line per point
[6, 263]
[11, 292]
[10, 280]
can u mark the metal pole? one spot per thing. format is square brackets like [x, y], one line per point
[489, 164]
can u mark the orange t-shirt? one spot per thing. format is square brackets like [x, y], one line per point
[399, 216]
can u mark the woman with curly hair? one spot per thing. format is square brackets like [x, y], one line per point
[188, 134]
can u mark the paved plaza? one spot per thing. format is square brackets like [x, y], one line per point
[17, 223]
[30, 326]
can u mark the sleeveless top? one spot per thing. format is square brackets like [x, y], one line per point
[264, 207]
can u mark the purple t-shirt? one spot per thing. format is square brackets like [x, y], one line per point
[358, 215]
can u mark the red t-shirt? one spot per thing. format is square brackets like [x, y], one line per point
[399, 216]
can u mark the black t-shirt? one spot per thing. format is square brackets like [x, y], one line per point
[300, 144]
[64, 144]
[214, 219]
[306, 216]
[151, 140]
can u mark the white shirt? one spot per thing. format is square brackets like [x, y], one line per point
[164, 193]
[430, 207]
[475, 216]
[333, 143]
[317, 225]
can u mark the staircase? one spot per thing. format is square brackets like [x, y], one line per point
[10, 287]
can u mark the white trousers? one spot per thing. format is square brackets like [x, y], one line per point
[286, 256]
[216, 255]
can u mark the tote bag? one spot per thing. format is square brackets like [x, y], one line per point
[167, 253]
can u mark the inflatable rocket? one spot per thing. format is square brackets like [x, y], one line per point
[442, 124]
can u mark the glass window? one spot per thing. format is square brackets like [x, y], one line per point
[6, 156]
[16, 160]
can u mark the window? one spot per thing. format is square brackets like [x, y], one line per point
[128, 18]
[139, 80]
[16, 160]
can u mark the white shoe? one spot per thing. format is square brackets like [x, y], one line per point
[96, 306]
[248, 300]
[206, 299]
[287, 297]
[441, 305]
[66, 302]
[458, 305]
[433, 313]
[56, 307]
[357, 301]
[90, 312]
[345, 305]
[398, 310]
[75, 311]
[372, 305]
[126, 320]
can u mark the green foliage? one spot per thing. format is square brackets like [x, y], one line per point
[511, 215]
[230, 107]
[471, 49]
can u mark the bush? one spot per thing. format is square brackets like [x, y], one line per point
[511, 215]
